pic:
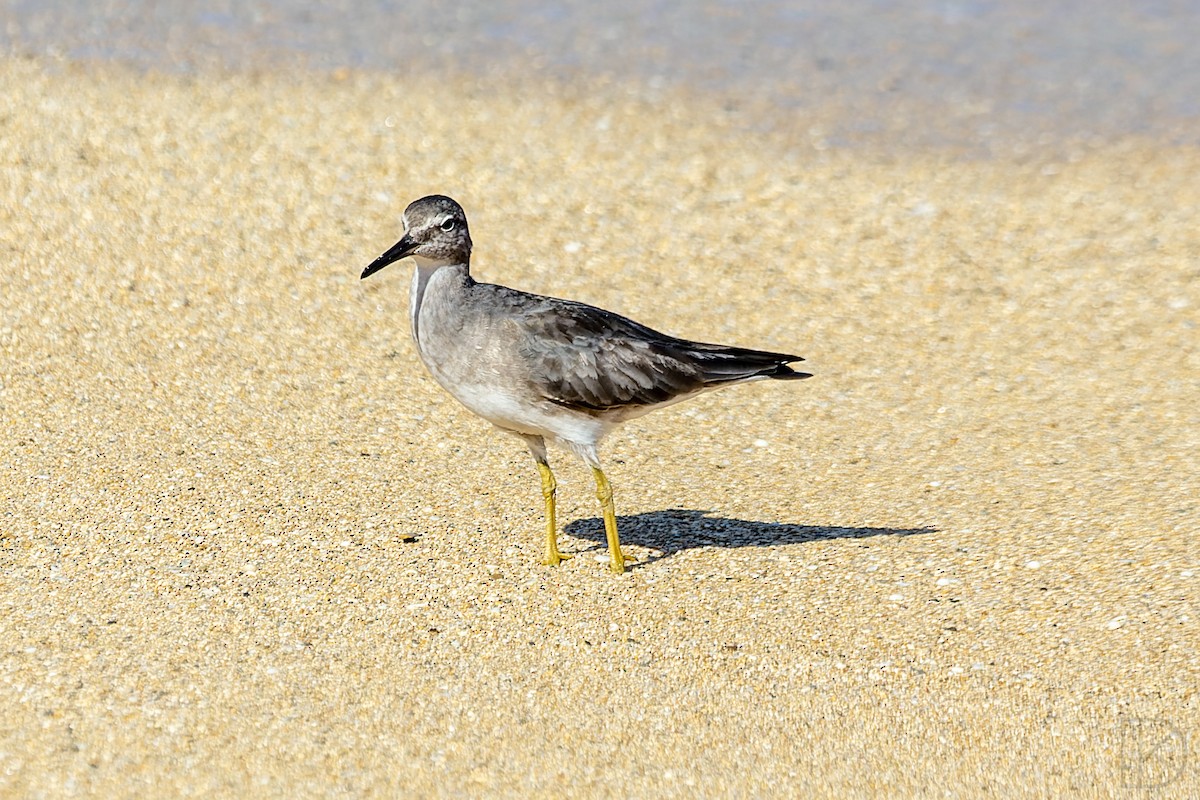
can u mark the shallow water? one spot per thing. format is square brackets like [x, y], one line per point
[971, 72]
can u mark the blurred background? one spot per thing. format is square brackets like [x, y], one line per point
[984, 75]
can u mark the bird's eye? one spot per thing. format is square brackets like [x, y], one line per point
[448, 225]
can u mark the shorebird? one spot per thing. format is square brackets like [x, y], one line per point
[549, 369]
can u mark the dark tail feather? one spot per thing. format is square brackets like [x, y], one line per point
[720, 364]
[785, 373]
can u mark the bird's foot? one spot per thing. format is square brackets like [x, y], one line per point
[554, 558]
[617, 561]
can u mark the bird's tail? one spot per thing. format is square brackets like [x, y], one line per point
[720, 364]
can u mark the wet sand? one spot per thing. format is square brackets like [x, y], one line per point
[249, 548]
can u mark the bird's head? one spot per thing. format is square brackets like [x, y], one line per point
[435, 234]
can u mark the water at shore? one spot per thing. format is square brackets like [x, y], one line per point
[972, 73]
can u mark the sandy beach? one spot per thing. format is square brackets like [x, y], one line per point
[248, 547]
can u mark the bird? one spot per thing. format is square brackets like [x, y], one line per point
[547, 369]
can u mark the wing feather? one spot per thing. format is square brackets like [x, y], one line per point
[587, 358]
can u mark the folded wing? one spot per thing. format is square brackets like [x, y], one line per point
[588, 358]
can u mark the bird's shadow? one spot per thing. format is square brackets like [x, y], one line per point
[676, 529]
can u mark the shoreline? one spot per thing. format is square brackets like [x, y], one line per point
[819, 126]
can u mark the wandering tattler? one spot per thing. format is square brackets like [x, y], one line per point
[543, 368]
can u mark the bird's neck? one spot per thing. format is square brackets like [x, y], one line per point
[451, 274]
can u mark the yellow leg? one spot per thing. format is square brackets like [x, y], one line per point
[549, 489]
[616, 559]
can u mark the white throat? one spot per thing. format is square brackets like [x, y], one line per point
[430, 264]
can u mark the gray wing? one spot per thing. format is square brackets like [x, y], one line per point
[588, 358]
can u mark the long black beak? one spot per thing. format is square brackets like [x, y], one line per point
[399, 250]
